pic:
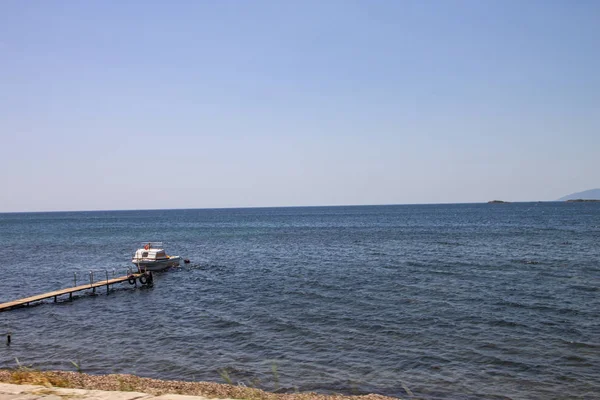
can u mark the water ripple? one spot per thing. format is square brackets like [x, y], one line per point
[446, 302]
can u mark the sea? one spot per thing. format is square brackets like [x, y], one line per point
[453, 301]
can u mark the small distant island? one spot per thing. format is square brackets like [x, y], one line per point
[498, 202]
[582, 201]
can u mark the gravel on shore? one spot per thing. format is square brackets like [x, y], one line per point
[132, 383]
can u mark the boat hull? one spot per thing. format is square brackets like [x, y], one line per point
[157, 265]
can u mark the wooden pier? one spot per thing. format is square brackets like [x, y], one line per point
[144, 278]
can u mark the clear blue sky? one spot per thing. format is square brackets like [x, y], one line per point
[193, 104]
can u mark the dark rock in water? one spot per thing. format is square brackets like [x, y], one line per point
[498, 202]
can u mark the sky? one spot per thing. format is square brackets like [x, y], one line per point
[199, 104]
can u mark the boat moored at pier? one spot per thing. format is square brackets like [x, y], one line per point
[152, 257]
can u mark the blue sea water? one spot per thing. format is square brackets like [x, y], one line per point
[471, 301]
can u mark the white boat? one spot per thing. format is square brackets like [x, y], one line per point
[153, 258]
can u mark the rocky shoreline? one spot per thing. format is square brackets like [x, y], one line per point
[582, 201]
[132, 383]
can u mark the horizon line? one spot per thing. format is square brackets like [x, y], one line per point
[264, 207]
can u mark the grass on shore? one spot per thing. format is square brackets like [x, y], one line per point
[132, 383]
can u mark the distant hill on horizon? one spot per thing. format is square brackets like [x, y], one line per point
[592, 194]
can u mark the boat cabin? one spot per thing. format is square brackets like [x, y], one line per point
[150, 254]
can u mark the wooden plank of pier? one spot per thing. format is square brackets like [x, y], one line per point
[27, 300]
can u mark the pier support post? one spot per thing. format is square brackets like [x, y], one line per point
[92, 281]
